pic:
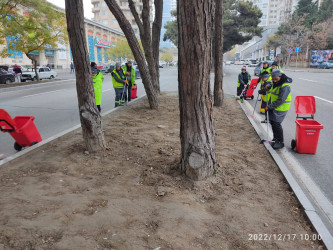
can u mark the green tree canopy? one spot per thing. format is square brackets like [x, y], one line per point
[240, 23]
[325, 10]
[309, 10]
[122, 49]
[31, 26]
[166, 57]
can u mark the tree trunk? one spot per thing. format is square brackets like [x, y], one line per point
[89, 115]
[218, 80]
[138, 55]
[34, 63]
[156, 34]
[197, 132]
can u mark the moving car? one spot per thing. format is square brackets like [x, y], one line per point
[43, 73]
[137, 71]
[259, 67]
[326, 65]
[5, 77]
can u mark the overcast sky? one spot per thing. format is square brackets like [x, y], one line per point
[86, 4]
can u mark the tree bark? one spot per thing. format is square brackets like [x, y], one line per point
[146, 39]
[156, 34]
[218, 66]
[90, 118]
[34, 63]
[197, 132]
[138, 55]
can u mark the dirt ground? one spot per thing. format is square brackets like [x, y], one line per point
[133, 196]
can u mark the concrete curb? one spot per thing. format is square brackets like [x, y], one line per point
[52, 138]
[32, 85]
[310, 210]
[309, 70]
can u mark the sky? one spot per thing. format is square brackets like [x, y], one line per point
[86, 4]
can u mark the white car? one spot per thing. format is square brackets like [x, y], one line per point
[43, 73]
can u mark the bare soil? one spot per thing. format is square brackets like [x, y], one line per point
[133, 196]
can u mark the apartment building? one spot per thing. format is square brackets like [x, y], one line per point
[168, 6]
[103, 15]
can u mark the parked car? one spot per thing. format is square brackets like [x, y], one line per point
[43, 73]
[326, 65]
[104, 69]
[228, 63]
[5, 77]
[259, 67]
[253, 63]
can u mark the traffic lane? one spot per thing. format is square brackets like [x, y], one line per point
[55, 106]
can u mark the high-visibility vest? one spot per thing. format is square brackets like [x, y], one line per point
[118, 85]
[132, 74]
[269, 70]
[266, 97]
[274, 95]
[249, 77]
[98, 80]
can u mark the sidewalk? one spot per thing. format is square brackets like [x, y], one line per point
[311, 70]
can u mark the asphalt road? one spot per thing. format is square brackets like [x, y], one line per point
[55, 107]
[320, 85]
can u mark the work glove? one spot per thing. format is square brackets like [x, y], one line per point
[128, 73]
[266, 108]
[126, 81]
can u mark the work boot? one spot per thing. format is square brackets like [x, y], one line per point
[277, 145]
[264, 121]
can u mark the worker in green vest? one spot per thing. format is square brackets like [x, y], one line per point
[278, 106]
[98, 79]
[266, 83]
[130, 75]
[119, 84]
[244, 78]
[275, 65]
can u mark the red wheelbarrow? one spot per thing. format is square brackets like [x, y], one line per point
[307, 129]
[21, 128]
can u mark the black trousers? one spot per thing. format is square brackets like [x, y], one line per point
[129, 92]
[277, 131]
[240, 90]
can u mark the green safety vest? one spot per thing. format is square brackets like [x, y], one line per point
[249, 77]
[279, 68]
[266, 97]
[269, 70]
[98, 80]
[132, 74]
[274, 95]
[118, 85]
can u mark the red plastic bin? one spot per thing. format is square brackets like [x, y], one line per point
[25, 133]
[134, 92]
[307, 136]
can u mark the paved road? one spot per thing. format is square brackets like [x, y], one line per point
[319, 166]
[55, 107]
[55, 104]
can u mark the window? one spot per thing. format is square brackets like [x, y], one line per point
[105, 22]
[128, 13]
[46, 69]
[103, 4]
[104, 13]
[96, 5]
[97, 14]
[41, 70]
[115, 21]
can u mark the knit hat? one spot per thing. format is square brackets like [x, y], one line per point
[275, 63]
[117, 64]
[265, 74]
[129, 61]
[276, 73]
[244, 67]
[265, 62]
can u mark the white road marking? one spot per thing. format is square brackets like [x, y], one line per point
[323, 99]
[43, 93]
[307, 80]
[107, 90]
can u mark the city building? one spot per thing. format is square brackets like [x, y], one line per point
[103, 15]
[275, 12]
[99, 39]
[168, 6]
